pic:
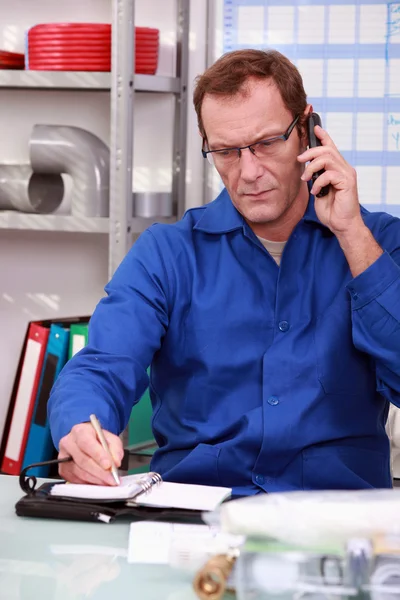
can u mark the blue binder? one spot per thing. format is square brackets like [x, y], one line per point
[40, 446]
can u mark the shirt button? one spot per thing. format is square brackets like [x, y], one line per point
[283, 326]
[260, 479]
[273, 400]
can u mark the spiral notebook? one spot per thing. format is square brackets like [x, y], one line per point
[148, 490]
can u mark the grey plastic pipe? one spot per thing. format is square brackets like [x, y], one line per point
[22, 189]
[80, 154]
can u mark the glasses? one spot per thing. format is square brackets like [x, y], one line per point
[262, 149]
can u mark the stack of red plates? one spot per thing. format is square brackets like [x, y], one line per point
[146, 51]
[85, 47]
[11, 60]
[69, 47]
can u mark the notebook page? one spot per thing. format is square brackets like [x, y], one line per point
[128, 488]
[185, 496]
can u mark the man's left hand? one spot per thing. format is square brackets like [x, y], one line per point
[339, 209]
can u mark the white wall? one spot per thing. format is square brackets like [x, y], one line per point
[50, 275]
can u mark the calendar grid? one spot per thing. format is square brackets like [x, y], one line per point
[348, 52]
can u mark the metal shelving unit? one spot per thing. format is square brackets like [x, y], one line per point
[15, 220]
[80, 81]
[123, 84]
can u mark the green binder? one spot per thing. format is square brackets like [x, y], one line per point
[78, 338]
[139, 426]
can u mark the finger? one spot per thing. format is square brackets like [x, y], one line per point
[316, 165]
[86, 466]
[89, 468]
[116, 447]
[324, 136]
[74, 474]
[313, 153]
[329, 177]
[87, 441]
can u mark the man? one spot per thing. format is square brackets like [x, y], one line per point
[270, 317]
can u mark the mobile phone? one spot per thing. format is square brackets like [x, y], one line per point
[313, 142]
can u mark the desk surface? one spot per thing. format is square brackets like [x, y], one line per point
[45, 559]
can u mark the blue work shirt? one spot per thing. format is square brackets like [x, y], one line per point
[262, 377]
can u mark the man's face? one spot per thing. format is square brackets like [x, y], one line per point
[262, 188]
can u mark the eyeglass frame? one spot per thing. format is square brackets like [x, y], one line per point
[284, 137]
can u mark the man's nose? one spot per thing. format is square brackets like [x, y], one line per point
[250, 166]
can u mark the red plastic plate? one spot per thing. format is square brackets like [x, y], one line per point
[11, 55]
[69, 38]
[59, 46]
[70, 55]
[71, 27]
[58, 67]
[146, 31]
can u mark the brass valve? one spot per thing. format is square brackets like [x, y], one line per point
[210, 582]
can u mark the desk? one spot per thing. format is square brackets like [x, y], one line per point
[45, 559]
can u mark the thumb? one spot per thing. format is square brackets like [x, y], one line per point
[116, 447]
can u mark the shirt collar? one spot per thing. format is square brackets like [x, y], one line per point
[221, 216]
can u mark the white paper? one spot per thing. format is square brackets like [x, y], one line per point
[312, 72]
[250, 21]
[369, 183]
[392, 185]
[340, 78]
[394, 77]
[280, 25]
[342, 24]
[179, 545]
[373, 24]
[339, 125]
[369, 131]
[166, 494]
[311, 25]
[128, 488]
[185, 495]
[371, 77]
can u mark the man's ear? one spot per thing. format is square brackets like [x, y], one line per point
[304, 136]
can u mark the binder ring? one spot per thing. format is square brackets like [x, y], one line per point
[150, 480]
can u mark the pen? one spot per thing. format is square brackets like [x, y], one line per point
[97, 427]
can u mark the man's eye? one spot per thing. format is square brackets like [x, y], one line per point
[266, 143]
[227, 153]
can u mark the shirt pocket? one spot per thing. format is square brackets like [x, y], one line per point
[200, 466]
[345, 467]
[341, 368]
[224, 359]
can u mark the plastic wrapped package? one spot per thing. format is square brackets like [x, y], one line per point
[314, 518]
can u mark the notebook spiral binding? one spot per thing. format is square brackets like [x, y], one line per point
[149, 481]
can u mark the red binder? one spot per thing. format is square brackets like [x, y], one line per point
[28, 381]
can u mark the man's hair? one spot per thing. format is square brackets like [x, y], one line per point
[229, 74]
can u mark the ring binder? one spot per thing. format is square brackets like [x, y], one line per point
[174, 502]
[149, 481]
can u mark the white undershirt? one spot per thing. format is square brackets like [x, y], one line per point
[274, 248]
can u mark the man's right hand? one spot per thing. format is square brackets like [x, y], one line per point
[90, 463]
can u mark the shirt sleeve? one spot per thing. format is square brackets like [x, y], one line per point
[375, 299]
[109, 375]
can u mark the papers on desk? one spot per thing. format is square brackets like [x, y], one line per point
[179, 545]
[164, 495]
